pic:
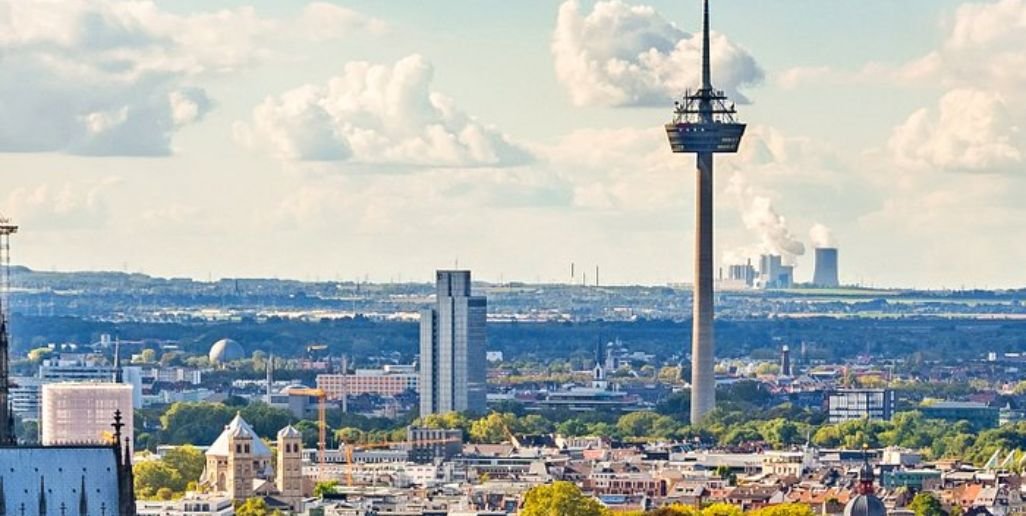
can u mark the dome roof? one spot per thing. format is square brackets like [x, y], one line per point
[865, 505]
[226, 350]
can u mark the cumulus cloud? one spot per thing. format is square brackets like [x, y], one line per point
[323, 21]
[117, 77]
[376, 114]
[61, 206]
[621, 54]
[970, 130]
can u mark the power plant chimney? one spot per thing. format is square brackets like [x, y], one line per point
[825, 275]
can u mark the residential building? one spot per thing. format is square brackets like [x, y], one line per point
[848, 404]
[390, 380]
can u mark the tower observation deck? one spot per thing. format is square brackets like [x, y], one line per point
[704, 124]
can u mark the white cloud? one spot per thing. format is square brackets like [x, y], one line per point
[323, 21]
[376, 114]
[624, 55]
[117, 77]
[60, 206]
[970, 130]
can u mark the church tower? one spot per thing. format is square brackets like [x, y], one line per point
[599, 373]
[289, 477]
[241, 472]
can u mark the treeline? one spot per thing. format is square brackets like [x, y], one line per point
[830, 339]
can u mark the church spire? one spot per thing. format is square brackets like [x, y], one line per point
[42, 496]
[83, 503]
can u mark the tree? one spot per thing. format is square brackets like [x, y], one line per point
[492, 428]
[39, 354]
[165, 493]
[323, 488]
[187, 460]
[562, 498]
[572, 428]
[926, 504]
[186, 423]
[152, 476]
[784, 509]
[674, 510]
[255, 506]
[148, 356]
[721, 509]
[637, 424]
[349, 435]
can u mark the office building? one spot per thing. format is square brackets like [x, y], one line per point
[80, 413]
[452, 348]
[847, 404]
[390, 380]
[979, 415]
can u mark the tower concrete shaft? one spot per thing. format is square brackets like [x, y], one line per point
[703, 379]
[704, 125]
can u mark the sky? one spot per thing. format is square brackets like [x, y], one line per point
[383, 140]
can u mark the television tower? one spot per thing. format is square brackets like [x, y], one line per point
[703, 124]
[7, 435]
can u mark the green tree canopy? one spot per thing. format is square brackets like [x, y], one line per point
[560, 498]
[926, 504]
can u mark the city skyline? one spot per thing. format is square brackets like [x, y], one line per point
[249, 155]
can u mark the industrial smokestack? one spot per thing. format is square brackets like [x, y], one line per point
[825, 275]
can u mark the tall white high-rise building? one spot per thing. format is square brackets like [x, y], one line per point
[453, 369]
[81, 413]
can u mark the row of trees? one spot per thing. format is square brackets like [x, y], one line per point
[178, 471]
[566, 499]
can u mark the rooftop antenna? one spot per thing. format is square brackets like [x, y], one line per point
[118, 374]
[269, 372]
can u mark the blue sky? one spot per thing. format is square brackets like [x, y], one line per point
[386, 139]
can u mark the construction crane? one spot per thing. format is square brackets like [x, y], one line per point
[389, 444]
[322, 424]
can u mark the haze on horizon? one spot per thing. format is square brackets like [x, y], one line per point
[383, 140]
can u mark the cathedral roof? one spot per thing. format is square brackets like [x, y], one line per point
[63, 470]
[238, 427]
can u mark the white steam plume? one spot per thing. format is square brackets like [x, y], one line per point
[822, 236]
[760, 217]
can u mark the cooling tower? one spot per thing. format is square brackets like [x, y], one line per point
[826, 268]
